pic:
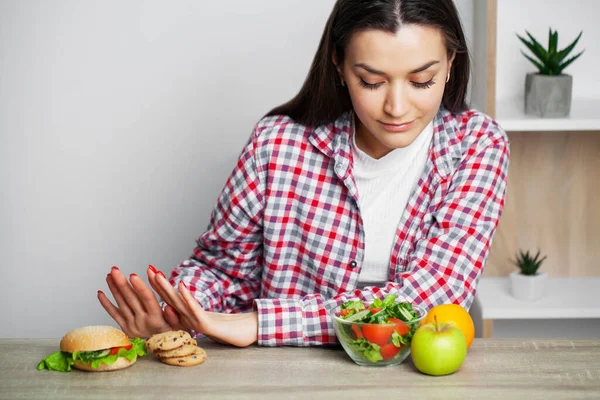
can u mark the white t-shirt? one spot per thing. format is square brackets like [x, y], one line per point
[384, 186]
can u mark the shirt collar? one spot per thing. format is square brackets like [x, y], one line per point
[446, 148]
[333, 140]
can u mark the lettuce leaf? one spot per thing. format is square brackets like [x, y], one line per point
[138, 349]
[399, 340]
[62, 361]
[404, 311]
[370, 351]
[59, 361]
[355, 305]
[387, 302]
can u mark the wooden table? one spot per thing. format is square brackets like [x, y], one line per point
[494, 369]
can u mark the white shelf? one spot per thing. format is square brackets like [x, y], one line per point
[565, 298]
[584, 116]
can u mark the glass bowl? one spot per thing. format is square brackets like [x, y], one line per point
[371, 344]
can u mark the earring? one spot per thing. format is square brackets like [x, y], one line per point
[448, 77]
[343, 82]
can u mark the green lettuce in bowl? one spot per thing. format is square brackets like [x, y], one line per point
[377, 334]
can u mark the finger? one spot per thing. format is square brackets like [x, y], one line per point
[199, 312]
[191, 301]
[146, 296]
[172, 317]
[129, 295]
[172, 297]
[124, 308]
[111, 309]
[152, 273]
[190, 324]
[179, 321]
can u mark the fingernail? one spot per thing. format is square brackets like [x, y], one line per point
[132, 275]
[100, 292]
[115, 267]
[184, 285]
[152, 268]
[107, 275]
[161, 274]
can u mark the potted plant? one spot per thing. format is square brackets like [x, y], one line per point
[527, 283]
[548, 91]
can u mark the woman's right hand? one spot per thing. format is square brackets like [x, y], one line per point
[138, 312]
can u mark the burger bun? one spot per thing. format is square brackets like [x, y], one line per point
[95, 338]
[121, 363]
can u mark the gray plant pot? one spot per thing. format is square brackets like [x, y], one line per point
[528, 287]
[548, 96]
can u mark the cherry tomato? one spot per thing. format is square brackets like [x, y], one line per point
[357, 332]
[389, 351]
[401, 327]
[378, 334]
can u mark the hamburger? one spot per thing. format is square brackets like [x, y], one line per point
[95, 349]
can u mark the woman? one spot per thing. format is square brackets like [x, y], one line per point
[374, 179]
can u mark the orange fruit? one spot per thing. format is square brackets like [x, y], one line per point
[454, 314]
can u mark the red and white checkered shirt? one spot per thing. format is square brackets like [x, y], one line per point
[286, 237]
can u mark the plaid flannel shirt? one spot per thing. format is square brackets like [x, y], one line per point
[286, 237]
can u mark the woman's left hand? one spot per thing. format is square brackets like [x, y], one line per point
[137, 312]
[237, 329]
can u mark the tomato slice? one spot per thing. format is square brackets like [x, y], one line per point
[378, 334]
[401, 327]
[389, 351]
[357, 332]
[375, 310]
[345, 312]
[115, 350]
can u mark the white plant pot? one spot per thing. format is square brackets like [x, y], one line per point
[528, 288]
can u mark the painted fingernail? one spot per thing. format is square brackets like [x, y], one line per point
[115, 267]
[161, 274]
[152, 268]
[184, 285]
[100, 292]
[132, 275]
[107, 275]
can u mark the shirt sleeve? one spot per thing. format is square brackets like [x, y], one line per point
[443, 268]
[224, 271]
[446, 264]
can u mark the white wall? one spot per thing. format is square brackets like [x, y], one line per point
[479, 55]
[536, 16]
[119, 123]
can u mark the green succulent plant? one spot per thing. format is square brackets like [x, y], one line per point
[551, 60]
[527, 263]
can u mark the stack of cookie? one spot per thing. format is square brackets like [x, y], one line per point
[176, 348]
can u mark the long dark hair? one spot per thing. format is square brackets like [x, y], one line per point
[321, 99]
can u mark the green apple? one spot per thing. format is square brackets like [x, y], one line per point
[438, 348]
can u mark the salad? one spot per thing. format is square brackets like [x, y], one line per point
[379, 331]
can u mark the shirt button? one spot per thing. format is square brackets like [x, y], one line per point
[339, 166]
[353, 264]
